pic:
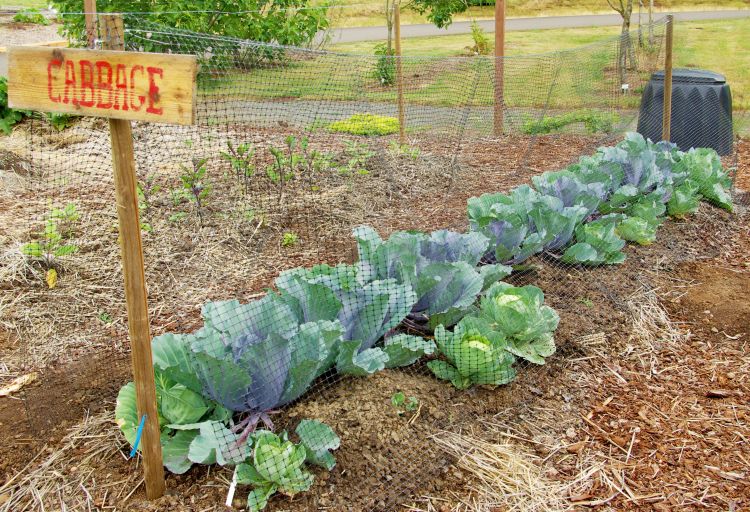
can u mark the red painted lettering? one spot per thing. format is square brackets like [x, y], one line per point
[86, 78]
[153, 90]
[56, 64]
[104, 84]
[70, 81]
[141, 99]
[121, 86]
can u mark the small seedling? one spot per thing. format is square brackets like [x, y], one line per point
[105, 317]
[195, 186]
[147, 189]
[177, 195]
[586, 302]
[313, 161]
[65, 218]
[285, 161]
[177, 217]
[406, 150]
[289, 239]
[50, 243]
[402, 404]
[358, 154]
[240, 159]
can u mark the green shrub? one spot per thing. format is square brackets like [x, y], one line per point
[366, 124]
[286, 22]
[30, 16]
[8, 116]
[481, 41]
[385, 65]
[595, 122]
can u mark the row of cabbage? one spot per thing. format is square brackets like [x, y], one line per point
[218, 387]
[621, 193]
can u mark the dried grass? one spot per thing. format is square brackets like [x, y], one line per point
[502, 475]
[67, 478]
[652, 326]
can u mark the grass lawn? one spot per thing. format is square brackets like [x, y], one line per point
[583, 78]
[26, 4]
[356, 13]
[718, 45]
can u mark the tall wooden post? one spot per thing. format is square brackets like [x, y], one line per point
[89, 10]
[666, 127]
[499, 65]
[399, 73]
[123, 163]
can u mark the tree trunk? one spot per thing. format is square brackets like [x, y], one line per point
[389, 24]
[625, 43]
[651, 22]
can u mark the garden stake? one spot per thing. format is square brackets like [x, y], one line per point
[666, 127]
[499, 65]
[149, 87]
[123, 165]
[399, 73]
[92, 34]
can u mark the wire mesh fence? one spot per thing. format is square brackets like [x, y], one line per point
[314, 282]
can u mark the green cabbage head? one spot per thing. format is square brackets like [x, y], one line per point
[520, 316]
[472, 357]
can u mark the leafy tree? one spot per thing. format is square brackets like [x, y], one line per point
[440, 12]
[287, 22]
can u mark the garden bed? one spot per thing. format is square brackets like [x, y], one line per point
[631, 341]
[386, 459]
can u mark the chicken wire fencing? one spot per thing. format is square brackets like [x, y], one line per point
[309, 273]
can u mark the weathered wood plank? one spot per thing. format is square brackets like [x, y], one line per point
[153, 87]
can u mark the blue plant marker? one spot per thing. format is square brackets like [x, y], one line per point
[138, 436]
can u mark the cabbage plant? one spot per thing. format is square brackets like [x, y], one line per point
[556, 222]
[685, 199]
[472, 356]
[571, 190]
[440, 267]
[521, 317]
[189, 422]
[366, 311]
[505, 220]
[279, 465]
[596, 244]
[703, 167]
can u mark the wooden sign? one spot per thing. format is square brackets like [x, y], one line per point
[153, 87]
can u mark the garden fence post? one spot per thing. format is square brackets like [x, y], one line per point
[399, 73]
[499, 65]
[666, 127]
[89, 10]
[123, 162]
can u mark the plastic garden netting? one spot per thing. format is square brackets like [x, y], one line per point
[309, 274]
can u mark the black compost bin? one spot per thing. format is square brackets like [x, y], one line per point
[701, 110]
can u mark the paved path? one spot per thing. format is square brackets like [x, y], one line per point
[354, 34]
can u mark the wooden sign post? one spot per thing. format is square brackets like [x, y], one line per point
[121, 86]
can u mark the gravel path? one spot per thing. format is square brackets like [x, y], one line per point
[354, 34]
